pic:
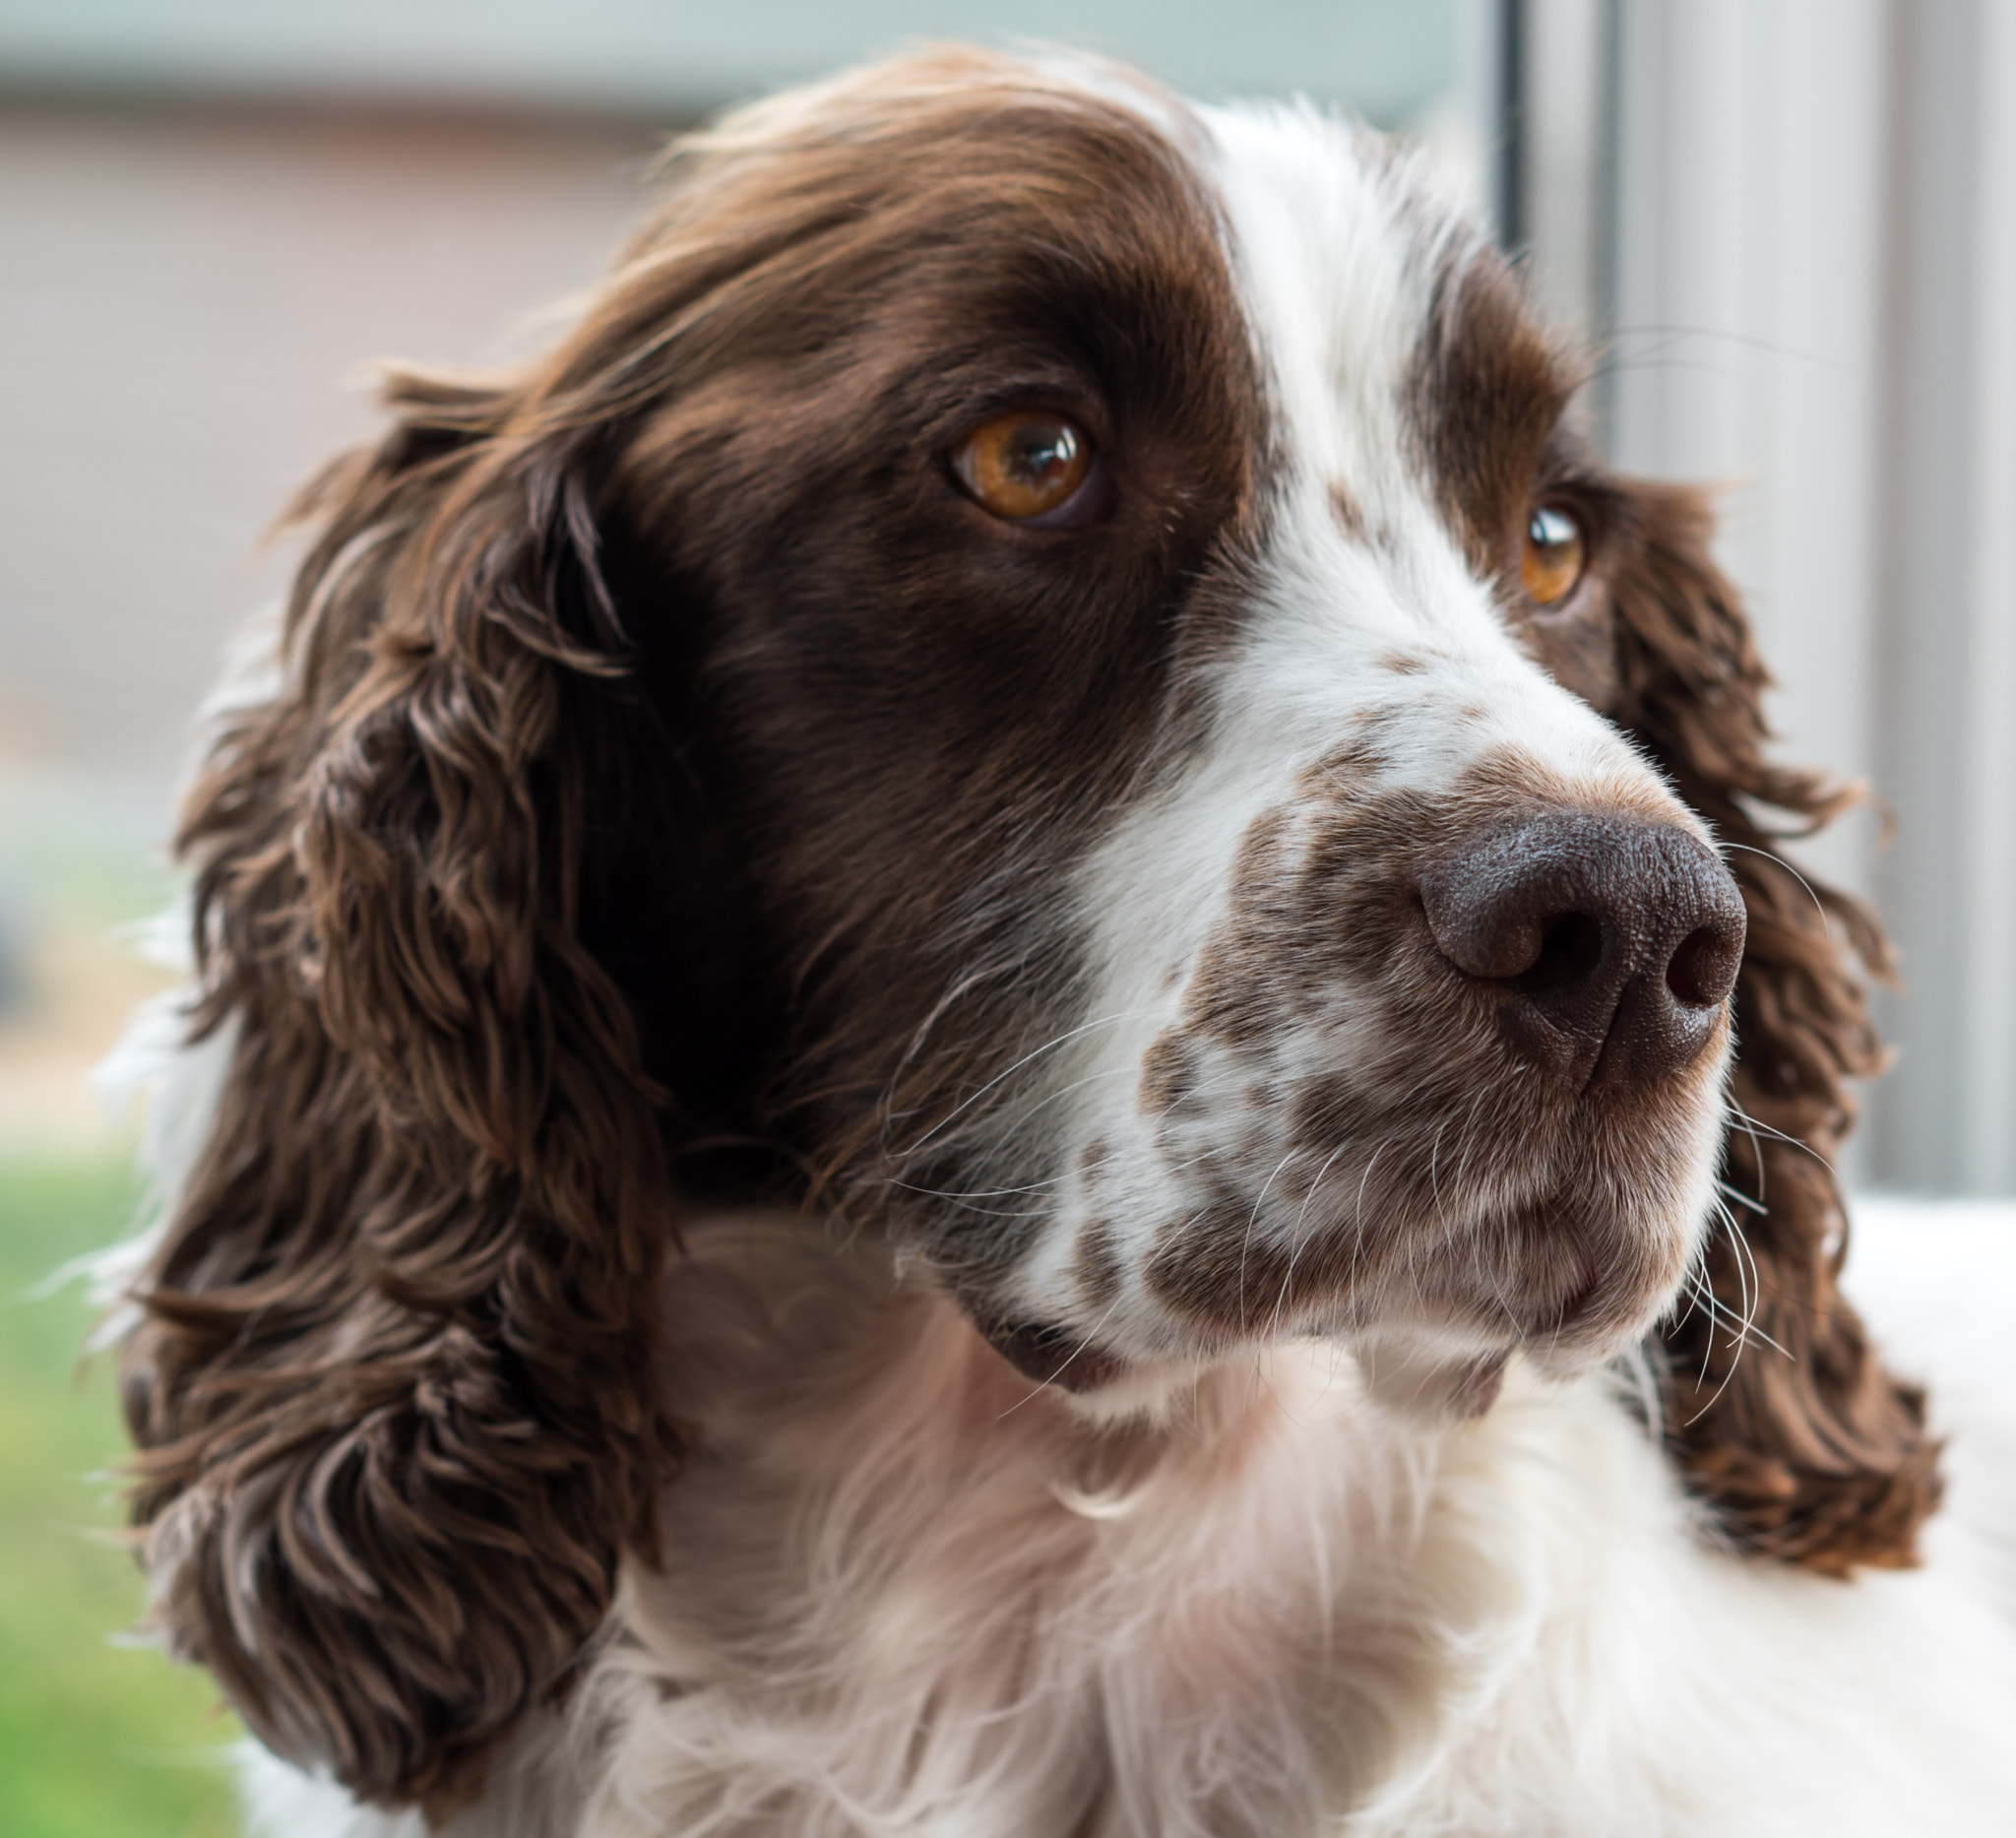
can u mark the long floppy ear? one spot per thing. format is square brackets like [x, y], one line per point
[391, 1376]
[1805, 1446]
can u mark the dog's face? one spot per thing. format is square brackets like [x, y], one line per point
[1155, 614]
[1047, 661]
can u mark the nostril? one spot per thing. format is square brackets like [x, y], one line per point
[1571, 949]
[1701, 970]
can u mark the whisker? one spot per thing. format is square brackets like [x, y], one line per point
[1749, 1128]
[1756, 1286]
[983, 1193]
[1744, 1199]
[1820, 906]
[1296, 1239]
[1744, 1329]
[1357, 1215]
[1044, 1385]
[1699, 1291]
[1253, 1220]
[1755, 1123]
[1050, 1045]
[1743, 1268]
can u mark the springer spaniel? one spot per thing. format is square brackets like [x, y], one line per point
[993, 1037]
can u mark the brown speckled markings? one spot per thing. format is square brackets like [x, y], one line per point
[1316, 994]
[1094, 1258]
[1350, 518]
[1169, 1075]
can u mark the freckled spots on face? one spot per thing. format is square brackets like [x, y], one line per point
[1326, 1109]
[1096, 1263]
[1348, 769]
[1357, 760]
[1310, 1172]
[1095, 1267]
[1170, 1073]
[1236, 997]
[1225, 1278]
[1401, 662]
[1345, 508]
[1206, 1268]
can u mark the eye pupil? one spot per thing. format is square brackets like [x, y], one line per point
[1024, 468]
[1045, 450]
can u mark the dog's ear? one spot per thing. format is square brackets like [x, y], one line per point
[1794, 1432]
[391, 1376]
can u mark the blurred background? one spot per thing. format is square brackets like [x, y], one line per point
[1786, 230]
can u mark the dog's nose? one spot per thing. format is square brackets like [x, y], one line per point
[1613, 942]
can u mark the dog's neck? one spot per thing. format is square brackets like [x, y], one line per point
[894, 1570]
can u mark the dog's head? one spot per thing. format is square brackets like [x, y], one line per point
[1043, 671]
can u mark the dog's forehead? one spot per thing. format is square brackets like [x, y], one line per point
[1335, 255]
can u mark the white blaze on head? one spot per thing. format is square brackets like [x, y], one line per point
[1369, 661]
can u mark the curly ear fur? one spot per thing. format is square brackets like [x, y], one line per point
[463, 893]
[389, 1383]
[1806, 1448]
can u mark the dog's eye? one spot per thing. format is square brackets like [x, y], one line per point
[1553, 560]
[1029, 468]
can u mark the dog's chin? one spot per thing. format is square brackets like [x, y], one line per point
[1093, 1381]
[1429, 1380]
[1441, 1361]
[1425, 1378]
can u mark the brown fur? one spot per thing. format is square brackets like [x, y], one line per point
[387, 1384]
[659, 764]
[667, 761]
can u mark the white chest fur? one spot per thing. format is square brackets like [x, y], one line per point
[903, 1593]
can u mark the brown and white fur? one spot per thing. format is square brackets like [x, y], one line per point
[858, 1169]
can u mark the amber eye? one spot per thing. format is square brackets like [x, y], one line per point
[1025, 466]
[1553, 560]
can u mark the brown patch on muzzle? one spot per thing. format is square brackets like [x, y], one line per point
[1485, 1023]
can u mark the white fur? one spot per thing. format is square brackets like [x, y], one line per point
[903, 1595]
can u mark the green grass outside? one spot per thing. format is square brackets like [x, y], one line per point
[97, 1740]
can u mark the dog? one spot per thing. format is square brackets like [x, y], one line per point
[993, 1033]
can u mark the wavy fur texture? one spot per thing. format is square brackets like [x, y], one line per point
[710, 935]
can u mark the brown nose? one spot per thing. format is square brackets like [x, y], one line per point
[1613, 943]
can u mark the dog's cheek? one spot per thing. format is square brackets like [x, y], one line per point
[1578, 648]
